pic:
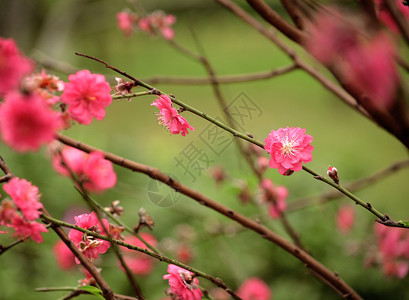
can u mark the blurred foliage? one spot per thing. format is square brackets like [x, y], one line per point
[342, 138]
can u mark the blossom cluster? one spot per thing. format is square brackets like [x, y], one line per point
[22, 210]
[33, 108]
[155, 22]
[274, 197]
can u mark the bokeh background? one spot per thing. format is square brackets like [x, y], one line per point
[55, 30]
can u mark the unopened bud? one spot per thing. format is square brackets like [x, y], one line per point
[333, 174]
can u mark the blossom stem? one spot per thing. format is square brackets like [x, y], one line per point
[160, 257]
[131, 95]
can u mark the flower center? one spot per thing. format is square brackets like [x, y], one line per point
[287, 147]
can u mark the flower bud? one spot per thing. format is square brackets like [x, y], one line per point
[333, 174]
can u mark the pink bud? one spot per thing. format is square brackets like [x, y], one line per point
[333, 174]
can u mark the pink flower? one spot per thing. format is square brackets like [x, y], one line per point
[13, 66]
[169, 117]
[371, 68]
[262, 163]
[139, 263]
[26, 121]
[393, 246]
[289, 148]
[93, 170]
[25, 196]
[345, 219]
[126, 22]
[275, 197]
[158, 21]
[89, 246]
[75, 159]
[331, 36]
[183, 284]
[64, 256]
[45, 85]
[87, 95]
[25, 229]
[99, 173]
[254, 289]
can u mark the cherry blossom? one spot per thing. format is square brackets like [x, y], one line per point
[126, 22]
[274, 196]
[139, 263]
[254, 289]
[183, 284]
[63, 254]
[13, 66]
[28, 229]
[169, 117]
[93, 170]
[89, 246]
[158, 20]
[289, 148]
[27, 122]
[345, 219]
[25, 196]
[86, 95]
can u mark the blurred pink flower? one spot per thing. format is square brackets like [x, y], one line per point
[262, 163]
[370, 67]
[289, 148]
[99, 173]
[254, 289]
[26, 121]
[183, 284]
[28, 229]
[25, 196]
[331, 36]
[169, 117]
[345, 219]
[139, 263]
[87, 95]
[64, 256]
[13, 66]
[93, 170]
[126, 22]
[158, 21]
[393, 246]
[89, 246]
[274, 196]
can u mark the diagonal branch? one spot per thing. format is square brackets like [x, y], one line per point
[323, 273]
[272, 17]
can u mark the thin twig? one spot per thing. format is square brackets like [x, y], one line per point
[223, 79]
[352, 187]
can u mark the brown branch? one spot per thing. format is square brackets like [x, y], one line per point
[222, 79]
[323, 273]
[352, 187]
[325, 82]
[296, 14]
[8, 247]
[399, 18]
[276, 20]
[87, 264]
